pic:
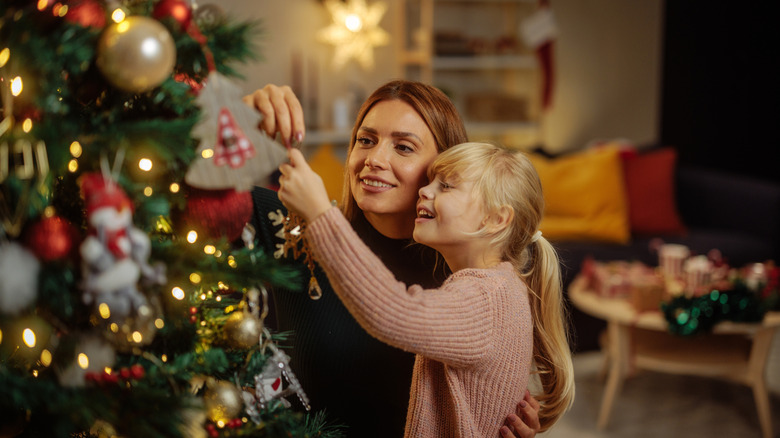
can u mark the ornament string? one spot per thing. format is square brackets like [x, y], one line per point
[294, 240]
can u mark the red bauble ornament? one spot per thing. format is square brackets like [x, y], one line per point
[179, 10]
[88, 13]
[219, 213]
[51, 238]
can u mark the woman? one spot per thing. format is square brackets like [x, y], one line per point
[399, 130]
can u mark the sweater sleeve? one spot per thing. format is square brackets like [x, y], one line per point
[453, 324]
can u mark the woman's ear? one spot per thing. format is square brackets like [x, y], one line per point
[498, 219]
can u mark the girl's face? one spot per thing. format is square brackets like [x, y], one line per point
[388, 164]
[447, 211]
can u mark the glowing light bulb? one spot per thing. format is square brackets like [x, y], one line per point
[104, 311]
[195, 278]
[209, 249]
[177, 293]
[207, 153]
[16, 86]
[174, 188]
[83, 361]
[75, 149]
[4, 55]
[119, 16]
[28, 336]
[145, 164]
[73, 166]
[192, 236]
[46, 357]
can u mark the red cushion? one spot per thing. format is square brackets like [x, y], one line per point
[650, 188]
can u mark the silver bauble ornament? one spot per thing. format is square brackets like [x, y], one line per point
[136, 54]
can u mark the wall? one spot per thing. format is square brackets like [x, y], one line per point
[607, 81]
[289, 31]
[608, 62]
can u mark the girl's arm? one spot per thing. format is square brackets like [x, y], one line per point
[445, 324]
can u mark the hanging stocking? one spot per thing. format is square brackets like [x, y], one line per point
[539, 32]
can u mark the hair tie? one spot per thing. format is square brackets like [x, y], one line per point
[536, 236]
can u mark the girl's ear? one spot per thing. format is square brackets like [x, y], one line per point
[498, 219]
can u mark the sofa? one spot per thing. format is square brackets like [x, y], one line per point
[631, 199]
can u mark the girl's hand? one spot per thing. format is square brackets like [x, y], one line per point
[526, 423]
[301, 190]
[281, 112]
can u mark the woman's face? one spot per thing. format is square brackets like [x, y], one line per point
[388, 165]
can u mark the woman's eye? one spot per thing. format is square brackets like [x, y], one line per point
[404, 148]
[365, 141]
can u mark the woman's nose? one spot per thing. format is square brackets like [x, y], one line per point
[377, 157]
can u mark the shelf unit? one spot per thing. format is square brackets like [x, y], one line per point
[472, 50]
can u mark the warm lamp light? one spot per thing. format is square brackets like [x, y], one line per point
[355, 31]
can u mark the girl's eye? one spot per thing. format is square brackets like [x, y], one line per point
[444, 185]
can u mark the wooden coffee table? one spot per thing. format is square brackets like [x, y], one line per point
[641, 340]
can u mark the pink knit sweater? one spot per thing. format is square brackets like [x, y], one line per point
[472, 336]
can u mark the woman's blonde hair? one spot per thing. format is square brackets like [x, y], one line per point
[435, 108]
[507, 178]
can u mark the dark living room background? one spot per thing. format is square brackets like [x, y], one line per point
[720, 103]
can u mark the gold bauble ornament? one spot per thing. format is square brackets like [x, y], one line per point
[223, 401]
[136, 54]
[243, 330]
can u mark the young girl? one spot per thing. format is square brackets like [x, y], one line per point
[477, 336]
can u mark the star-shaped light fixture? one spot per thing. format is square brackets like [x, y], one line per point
[355, 31]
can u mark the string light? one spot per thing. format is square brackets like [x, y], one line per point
[28, 336]
[118, 16]
[83, 361]
[174, 188]
[148, 191]
[177, 293]
[195, 278]
[75, 149]
[4, 55]
[104, 311]
[209, 249]
[145, 164]
[16, 86]
[73, 166]
[46, 357]
[207, 153]
[192, 236]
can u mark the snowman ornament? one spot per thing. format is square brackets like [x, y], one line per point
[115, 253]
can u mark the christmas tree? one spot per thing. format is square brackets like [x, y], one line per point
[132, 298]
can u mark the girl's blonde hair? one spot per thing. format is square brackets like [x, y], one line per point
[435, 108]
[507, 178]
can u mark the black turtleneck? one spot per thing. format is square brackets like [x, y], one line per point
[360, 382]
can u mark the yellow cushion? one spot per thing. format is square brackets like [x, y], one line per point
[585, 196]
[330, 167]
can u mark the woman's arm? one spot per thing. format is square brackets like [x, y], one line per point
[281, 110]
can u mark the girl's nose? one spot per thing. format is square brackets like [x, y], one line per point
[426, 192]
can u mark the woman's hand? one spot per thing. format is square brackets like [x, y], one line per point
[301, 190]
[526, 423]
[281, 112]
